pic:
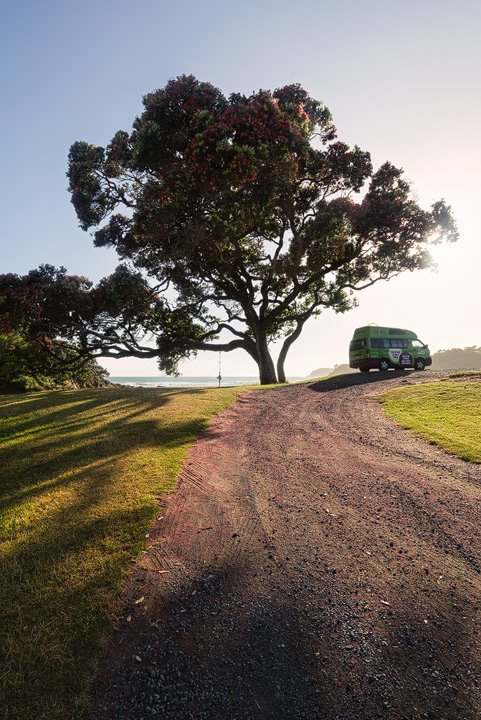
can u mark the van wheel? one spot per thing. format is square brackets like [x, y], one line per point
[383, 365]
[419, 364]
[364, 369]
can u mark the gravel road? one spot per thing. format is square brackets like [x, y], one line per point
[315, 562]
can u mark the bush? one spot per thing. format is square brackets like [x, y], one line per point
[27, 366]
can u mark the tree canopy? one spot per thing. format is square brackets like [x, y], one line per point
[236, 220]
[39, 346]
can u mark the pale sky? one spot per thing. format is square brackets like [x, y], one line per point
[401, 79]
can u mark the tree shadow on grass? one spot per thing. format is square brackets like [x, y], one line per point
[42, 442]
[76, 499]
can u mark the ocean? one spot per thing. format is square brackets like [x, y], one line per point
[187, 382]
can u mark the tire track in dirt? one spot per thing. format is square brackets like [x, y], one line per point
[316, 561]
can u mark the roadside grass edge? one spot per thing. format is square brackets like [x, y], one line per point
[446, 414]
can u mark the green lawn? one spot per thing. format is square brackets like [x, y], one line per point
[79, 471]
[446, 413]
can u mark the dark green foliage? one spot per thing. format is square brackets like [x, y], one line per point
[40, 317]
[27, 365]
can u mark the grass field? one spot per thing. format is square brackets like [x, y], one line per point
[79, 474]
[447, 414]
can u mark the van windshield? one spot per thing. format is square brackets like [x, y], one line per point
[357, 344]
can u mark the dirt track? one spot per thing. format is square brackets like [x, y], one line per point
[315, 562]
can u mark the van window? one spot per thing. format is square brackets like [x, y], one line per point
[357, 344]
[396, 331]
[417, 344]
[377, 343]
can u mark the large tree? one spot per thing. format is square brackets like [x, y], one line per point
[240, 212]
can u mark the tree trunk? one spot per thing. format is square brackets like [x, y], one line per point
[281, 375]
[280, 371]
[267, 371]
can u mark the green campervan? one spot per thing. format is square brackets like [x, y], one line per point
[386, 347]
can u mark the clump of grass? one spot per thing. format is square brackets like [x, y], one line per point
[447, 414]
[466, 374]
[79, 474]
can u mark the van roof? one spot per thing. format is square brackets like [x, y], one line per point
[378, 331]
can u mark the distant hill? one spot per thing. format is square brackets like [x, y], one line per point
[320, 372]
[342, 370]
[468, 358]
[329, 372]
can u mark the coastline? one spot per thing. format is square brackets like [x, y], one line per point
[187, 381]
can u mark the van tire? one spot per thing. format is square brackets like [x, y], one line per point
[364, 369]
[383, 365]
[419, 364]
